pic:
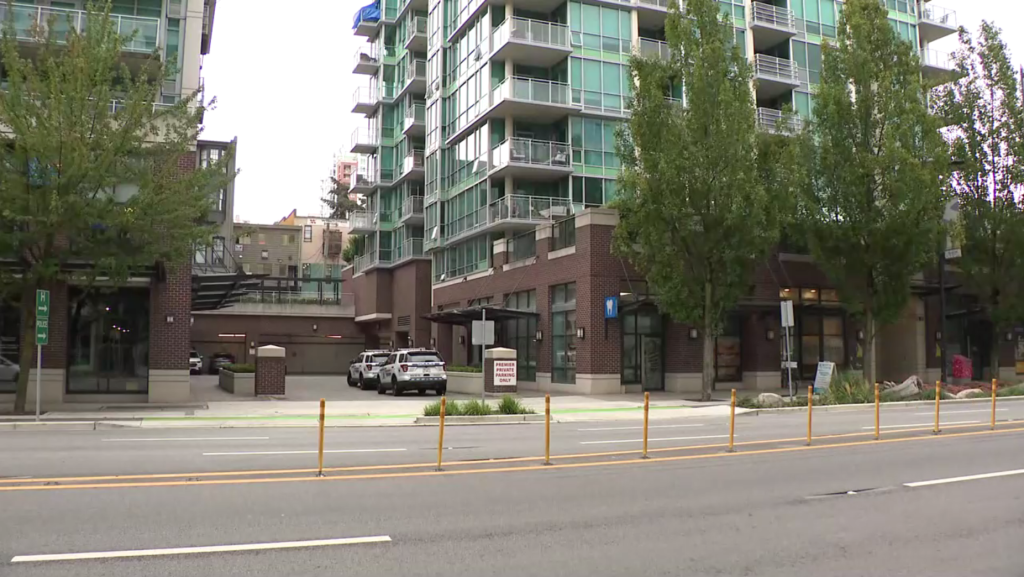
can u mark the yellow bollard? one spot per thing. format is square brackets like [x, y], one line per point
[647, 410]
[810, 410]
[938, 396]
[995, 384]
[732, 420]
[547, 429]
[440, 433]
[320, 452]
[878, 401]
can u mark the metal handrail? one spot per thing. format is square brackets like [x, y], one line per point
[650, 48]
[939, 15]
[362, 219]
[934, 58]
[532, 32]
[417, 25]
[415, 114]
[28, 18]
[781, 68]
[654, 3]
[774, 121]
[529, 208]
[411, 248]
[413, 160]
[364, 95]
[776, 16]
[412, 205]
[417, 69]
[533, 152]
[367, 53]
[533, 90]
[365, 136]
[293, 290]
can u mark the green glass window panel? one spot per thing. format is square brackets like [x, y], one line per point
[800, 53]
[574, 16]
[576, 131]
[609, 22]
[612, 81]
[798, 8]
[625, 25]
[813, 13]
[803, 106]
[592, 75]
[611, 189]
[591, 22]
[592, 133]
[577, 189]
[828, 12]
[576, 72]
[609, 135]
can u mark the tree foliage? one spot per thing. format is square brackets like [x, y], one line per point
[985, 111]
[873, 204]
[339, 203]
[695, 213]
[96, 179]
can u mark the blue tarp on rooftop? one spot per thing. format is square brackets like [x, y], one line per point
[368, 13]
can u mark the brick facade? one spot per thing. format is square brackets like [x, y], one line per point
[391, 303]
[170, 298]
[270, 376]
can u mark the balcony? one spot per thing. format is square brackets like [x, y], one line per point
[936, 23]
[654, 49]
[771, 25]
[364, 100]
[416, 34]
[532, 159]
[406, 6]
[372, 260]
[535, 42]
[289, 296]
[651, 13]
[410, 249]
[775, 76]
[415, 78]
[542, 101]
[936, 65]
[415, 121]
[362, 184]
[362, 222]
[412, 211]
[27, 18]
[412, 167]
[511, 213]
[367, 21]
[775, 122]
[366, 60]
[364, 141]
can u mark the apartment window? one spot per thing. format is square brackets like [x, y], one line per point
[282, 270]
[218, 251]
[592, 191]
[563, 234]
[266, 268]
[593, 142]
[563, 333]
[307, 233]
[519, 333]
[264, 254]
[287, 239]
[601, 86]
[521, 247]
[600, 28]
[305, 270]
[261, 238]
[244, 239]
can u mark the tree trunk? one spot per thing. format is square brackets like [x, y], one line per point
[28, 341]
[869, 347]
[707, 381]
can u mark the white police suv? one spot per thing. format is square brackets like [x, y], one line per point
[418, 370]
[363, 370]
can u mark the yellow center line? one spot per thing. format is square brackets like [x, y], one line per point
[503, 469]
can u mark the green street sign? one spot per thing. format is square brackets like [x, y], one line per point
[42, 331]
[42, 304]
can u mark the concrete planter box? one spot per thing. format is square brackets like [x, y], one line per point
[480, 419]
[241, 384]
[466, 383]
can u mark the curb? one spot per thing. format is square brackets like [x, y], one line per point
[871, 406]
[493, 419]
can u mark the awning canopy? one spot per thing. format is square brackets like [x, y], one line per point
[468, 315]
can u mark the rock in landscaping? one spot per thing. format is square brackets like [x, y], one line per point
[907, 388]
[769, 400]
[968, 393]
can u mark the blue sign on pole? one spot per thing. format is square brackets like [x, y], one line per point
[611, 307]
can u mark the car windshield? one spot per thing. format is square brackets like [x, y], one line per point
[425, 357]
[379, 358]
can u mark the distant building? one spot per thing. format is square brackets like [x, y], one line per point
[345, 169]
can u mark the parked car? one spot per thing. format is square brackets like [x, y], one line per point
[218, 361]
[9, 370]
[195, 363]
[363, 370]
[413, 370]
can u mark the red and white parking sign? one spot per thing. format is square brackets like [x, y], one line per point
[504, 373]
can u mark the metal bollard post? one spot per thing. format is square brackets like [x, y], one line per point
[320, 452]
[647, 410]
[547, 429]
[732, 420]
[995, 383]
[810, 411]
[938, 396]
[878, 401]
[440, 433]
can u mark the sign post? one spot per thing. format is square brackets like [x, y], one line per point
[42, 338]
[483, 335]
[787, 324]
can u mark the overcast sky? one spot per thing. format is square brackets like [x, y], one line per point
[283, 81]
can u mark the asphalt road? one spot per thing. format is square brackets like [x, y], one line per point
[774, 508]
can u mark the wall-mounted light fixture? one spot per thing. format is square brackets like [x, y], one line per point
[191, 321]
[433, 342]
[693, 334]
[1009, 336]
[769, 335]
[410, 345]
[462, 339]
[860, 335]
[391, 343]
[314, 327]
[580, 333]
[938, 335]
[539, 336]
[170, 318]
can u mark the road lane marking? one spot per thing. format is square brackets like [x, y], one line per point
[967, 478]
[661, 439]
[301, 452]
[149, 476]
[434, 473]
[155, 439]
[640, 428]
[923, 425]
[959, 412]
[195, 550]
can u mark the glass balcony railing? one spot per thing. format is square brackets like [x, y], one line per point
[533, 90]
[365, 96]
[771, 120]
[781, 69]
[416, 70]
[411, 248]
[774, 16]
[939, 15]
[366, 56]
[527, 208]
[373, 258]
[364, 137]
[663, 4]
[532, 152]
[532, 32]
[415, 114]
[936, 59]
[414, 160]
[412, 206]
[654, 49]
[140, 34]
[362, 220]
[416, 26]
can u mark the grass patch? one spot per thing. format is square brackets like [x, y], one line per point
[240, 368]
[510, 405]
[461, 369]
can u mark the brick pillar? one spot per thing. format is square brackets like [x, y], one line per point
[270, 370]
[170, 306]
[444, 342]
[507, 360]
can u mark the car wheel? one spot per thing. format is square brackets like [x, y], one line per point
[422, 392]
[348, 378]
[394, 387]
[380, 388]
[362, 382]
[15, 377]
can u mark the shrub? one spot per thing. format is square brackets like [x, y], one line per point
[460, 369]
[475, 408]
[848, 388]
[510, 405]
[240, 368]
[1015, 391]
[451, 409]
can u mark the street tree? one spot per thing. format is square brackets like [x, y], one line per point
[985, 110]
[874, 201]
[96, 179]
[338, 201]
[695, 214]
